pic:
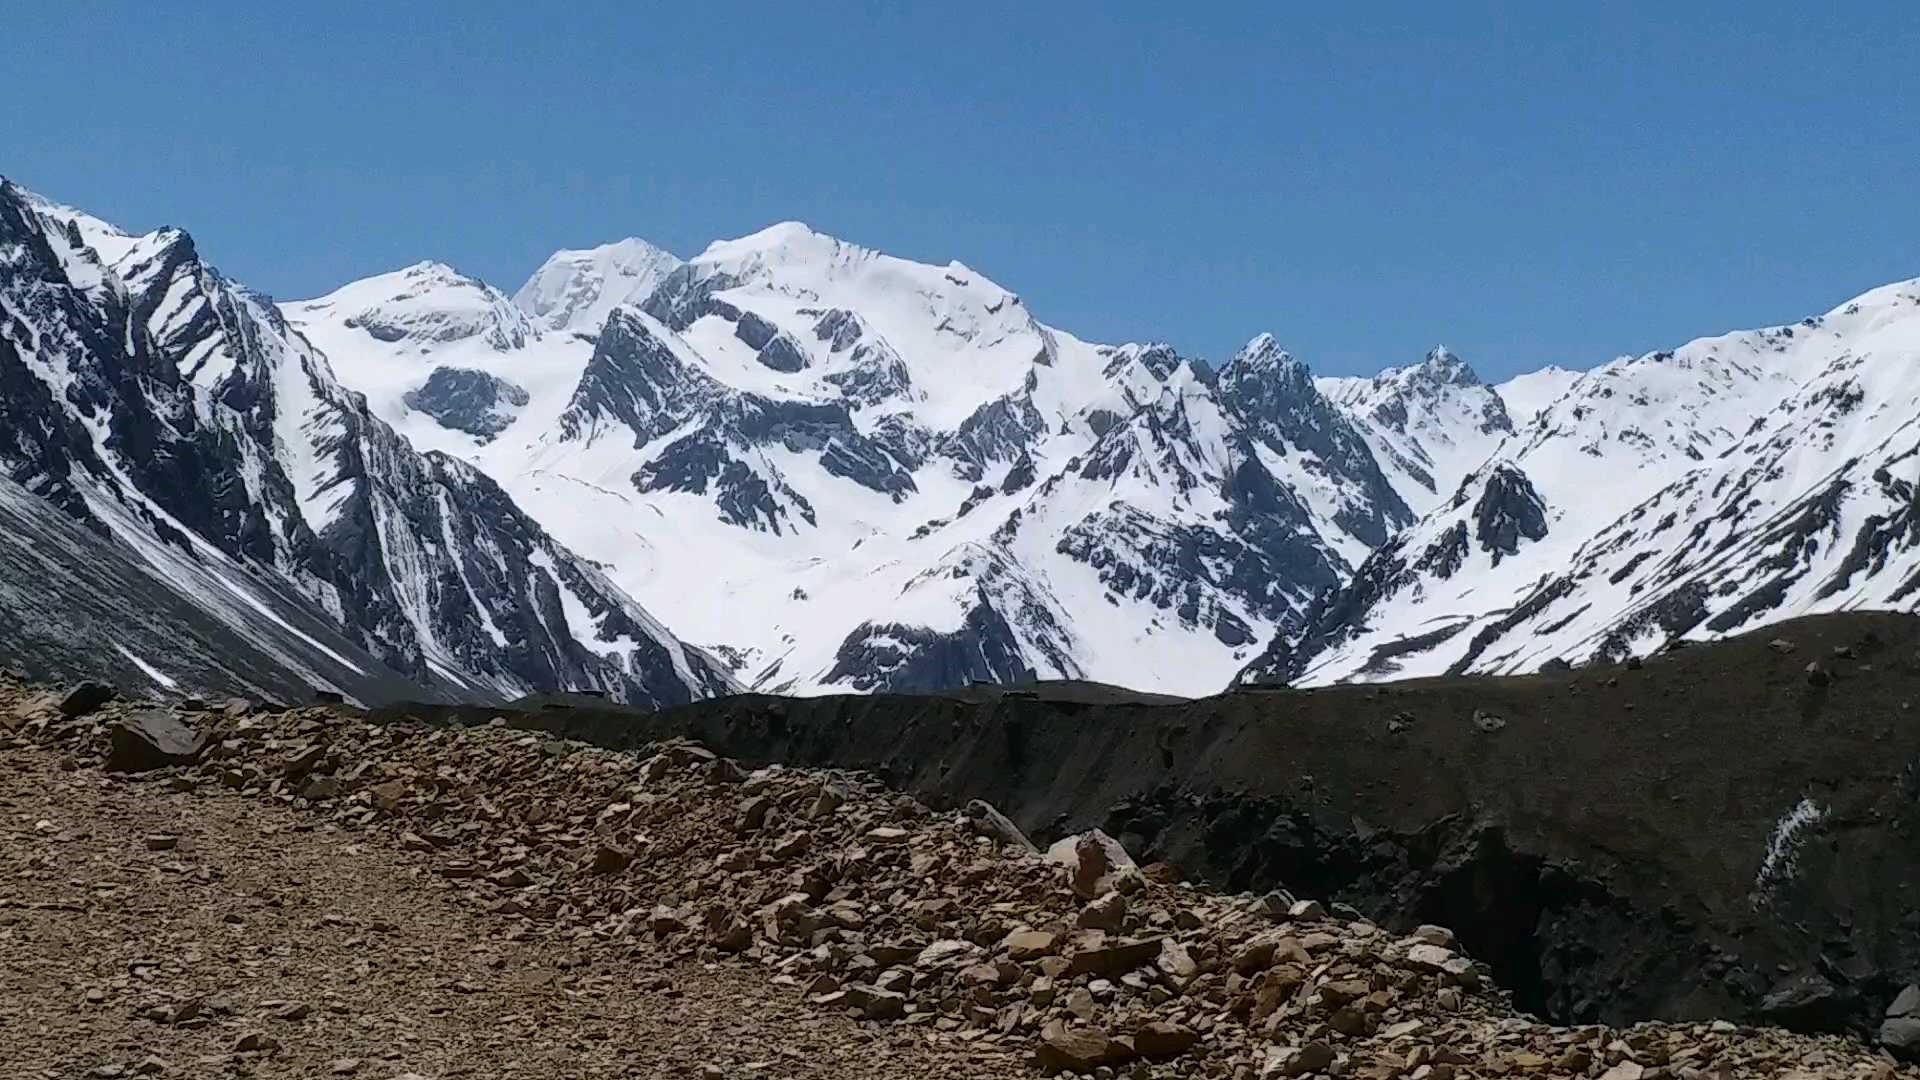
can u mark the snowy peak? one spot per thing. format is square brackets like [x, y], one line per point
[1429, 424]
[1444, 367]
[425, 306]
[575, 290]
[1527, 394]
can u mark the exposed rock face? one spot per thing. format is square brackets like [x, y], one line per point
[471, 401]
[1509, 511]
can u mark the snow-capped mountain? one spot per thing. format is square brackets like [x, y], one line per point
[1734, 481]
[840, 470]
[846, 470]
[178, 418]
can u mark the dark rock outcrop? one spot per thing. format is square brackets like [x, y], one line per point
[467, 400]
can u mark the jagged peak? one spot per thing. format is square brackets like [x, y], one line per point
[1262, 359]
[1446, 366]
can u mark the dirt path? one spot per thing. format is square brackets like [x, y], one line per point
[120, 956]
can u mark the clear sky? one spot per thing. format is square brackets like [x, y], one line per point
[1530, 183]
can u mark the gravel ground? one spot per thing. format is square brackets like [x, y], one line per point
[122, 954]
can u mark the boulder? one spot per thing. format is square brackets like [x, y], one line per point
[152, 739]
[1109, 912]
[85, 698]
[1025, 945]
[1095, 862]
[1161, 1039]
[1075, 1048]
[992, 823]
[1901, 1036]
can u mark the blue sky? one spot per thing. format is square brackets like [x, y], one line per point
[1528, 183]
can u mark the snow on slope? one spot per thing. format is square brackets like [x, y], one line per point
[155, 402]
[1528, 393]
[1429, 425]
[1739, 479]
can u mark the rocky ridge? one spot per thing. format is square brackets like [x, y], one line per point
[867, 904]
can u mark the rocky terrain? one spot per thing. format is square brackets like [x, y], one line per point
[1591, 835]
[225, 890]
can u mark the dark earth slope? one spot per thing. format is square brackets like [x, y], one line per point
[1612, 840]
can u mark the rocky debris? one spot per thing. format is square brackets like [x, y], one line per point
[869, 906]
[152, 739]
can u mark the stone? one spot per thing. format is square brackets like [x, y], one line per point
[1487, 722]
[1160, 1040]
[1906, 1002]
[319, 788]
[1109, 912]
[1176, 963]
[1115, 958]
[1299, 1061]
[1430, 957]
[305, 759]
[1276, 903]
[829, 799]
[753, 814]
[162, 842]
[255, 1042]
[1781, 646]
[663, 921]
[991, 823]
[1809, 1002]
[85, 698]
[1025, 945]
[1075, 1048]
[1901, 1036]
[1625, 1070]
[608, 859]
[1094, 861]
[152, 739]
[387, 796]
[1307, 911]
[1818, 675]
[1434, 935]
[875, 1003]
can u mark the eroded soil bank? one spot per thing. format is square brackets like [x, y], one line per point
[1721, 832]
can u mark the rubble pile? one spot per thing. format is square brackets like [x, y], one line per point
[860, 900]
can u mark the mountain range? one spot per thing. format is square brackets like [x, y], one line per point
[794, 464]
